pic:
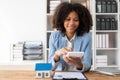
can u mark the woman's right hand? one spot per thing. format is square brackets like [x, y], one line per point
[62, 51]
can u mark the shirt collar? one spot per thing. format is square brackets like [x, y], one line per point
[71, 38]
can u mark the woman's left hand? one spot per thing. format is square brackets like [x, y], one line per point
[73, 61]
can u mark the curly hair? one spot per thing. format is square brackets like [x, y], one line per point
[63, 10]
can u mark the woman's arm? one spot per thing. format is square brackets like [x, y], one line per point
[55, 54]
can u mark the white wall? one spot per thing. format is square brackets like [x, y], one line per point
[20, 20]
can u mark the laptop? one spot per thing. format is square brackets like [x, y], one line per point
[109, 70]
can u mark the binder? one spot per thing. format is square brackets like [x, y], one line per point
[98, 6]
[114, 6]
[103, 6]
[109, 7]
[98, 24]
[113, 24]
[108, 26]
[103, 24]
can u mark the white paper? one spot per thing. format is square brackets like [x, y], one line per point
[68, 75]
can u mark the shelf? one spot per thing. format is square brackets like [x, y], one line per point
[106, 13]
[106, 30]
[109, 66]
[106, 48]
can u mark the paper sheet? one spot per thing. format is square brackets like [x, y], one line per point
[69, 75]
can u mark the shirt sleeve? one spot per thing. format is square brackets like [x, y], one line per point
[52, 49]
[87, 58]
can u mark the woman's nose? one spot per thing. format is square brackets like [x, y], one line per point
[71, 22]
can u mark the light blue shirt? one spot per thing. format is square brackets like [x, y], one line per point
[81, 43]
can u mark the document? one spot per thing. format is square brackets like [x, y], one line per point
[69, 76]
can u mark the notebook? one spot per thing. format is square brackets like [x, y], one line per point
[69, 76]
[109, 70]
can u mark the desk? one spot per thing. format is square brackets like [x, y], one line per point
[30, 75]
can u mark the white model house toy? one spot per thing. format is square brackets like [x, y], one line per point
[43, 70]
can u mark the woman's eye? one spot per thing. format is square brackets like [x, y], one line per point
[76, 20]
[68, 19]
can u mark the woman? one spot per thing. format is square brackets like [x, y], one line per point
[73, 23]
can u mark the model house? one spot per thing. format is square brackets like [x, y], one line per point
[43, 70]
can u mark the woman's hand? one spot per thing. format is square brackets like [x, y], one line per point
[62, 51]
[73, 61]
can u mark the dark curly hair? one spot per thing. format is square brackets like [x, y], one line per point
[63, 10]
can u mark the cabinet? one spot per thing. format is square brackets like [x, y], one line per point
[105, 31]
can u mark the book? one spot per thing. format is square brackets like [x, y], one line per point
[106, 40]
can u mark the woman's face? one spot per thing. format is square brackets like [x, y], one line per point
[71, 22]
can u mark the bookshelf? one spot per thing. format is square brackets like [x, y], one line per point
[105, 31]
[106, 24]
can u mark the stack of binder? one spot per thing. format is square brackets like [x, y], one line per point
[33, 50]
[106, 23]
[106, 6]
